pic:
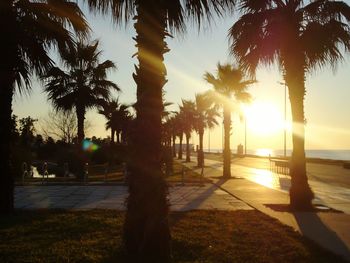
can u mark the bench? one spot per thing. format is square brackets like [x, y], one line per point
[279, 166]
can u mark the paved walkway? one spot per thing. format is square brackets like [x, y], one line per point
[330, 183]
[182, 198]
[331, 230]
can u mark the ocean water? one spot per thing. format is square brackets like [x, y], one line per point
[323, 154]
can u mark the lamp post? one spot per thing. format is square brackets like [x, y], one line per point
[285, 116]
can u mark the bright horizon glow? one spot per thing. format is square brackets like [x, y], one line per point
[264, 152]
[264, 118]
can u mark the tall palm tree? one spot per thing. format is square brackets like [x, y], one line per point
[300, 36]
[188, 110]
[205, 117]
[146, 229]
[116, 114]
[28, 29]
[84, 85]
[228, 84]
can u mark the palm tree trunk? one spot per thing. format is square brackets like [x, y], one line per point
[80, 111]
[118, 137]
[112, 136]
[200, 151]
[174, 149]
[300, 192]
[7, 78]
[180, 147]
[6, 175]
[188, 156]
[227, 150]
[146, 229]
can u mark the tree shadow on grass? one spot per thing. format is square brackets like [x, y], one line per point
[195, 203]
[312, 226]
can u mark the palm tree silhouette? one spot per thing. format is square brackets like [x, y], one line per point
[179, 131]
[84, 85]
[205, 117]
[146, 230]
[300, 37]
[188, 110]
[173, 131]
[229, 83]
[116, 114]
[28, 29]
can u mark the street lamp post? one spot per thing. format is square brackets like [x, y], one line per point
[285, 116]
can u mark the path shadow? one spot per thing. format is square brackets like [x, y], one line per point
[311, 225]
[195, 203]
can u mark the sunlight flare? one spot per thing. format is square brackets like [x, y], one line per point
[264, 118]
[263, 177]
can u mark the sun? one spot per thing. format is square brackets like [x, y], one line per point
[264, 118]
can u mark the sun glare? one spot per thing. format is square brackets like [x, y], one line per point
[263, 177]
[263, 152]
[264, 118]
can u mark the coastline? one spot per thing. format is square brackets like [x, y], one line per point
[308, 159]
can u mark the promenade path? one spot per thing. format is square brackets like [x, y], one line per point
[264, 191]
[330, 182]
[83, 197]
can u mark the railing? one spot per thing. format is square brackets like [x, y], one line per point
[91, 173]
[280, 166]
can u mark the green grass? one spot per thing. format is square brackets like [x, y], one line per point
[198, 236]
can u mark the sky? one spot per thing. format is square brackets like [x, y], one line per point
[327, 109]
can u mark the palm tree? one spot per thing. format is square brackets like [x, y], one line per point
[188, 109]
[83, 86]
[116, 115]
[107, 110]
[146, 230]
[301, 37]
[205, 117]
[167, 124]
[172, 132]
[166, 133]
[179, 131]
[28, 29]
[229, 83]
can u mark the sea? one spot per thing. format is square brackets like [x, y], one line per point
[322, 154]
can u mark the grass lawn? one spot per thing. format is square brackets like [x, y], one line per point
[198, 236]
